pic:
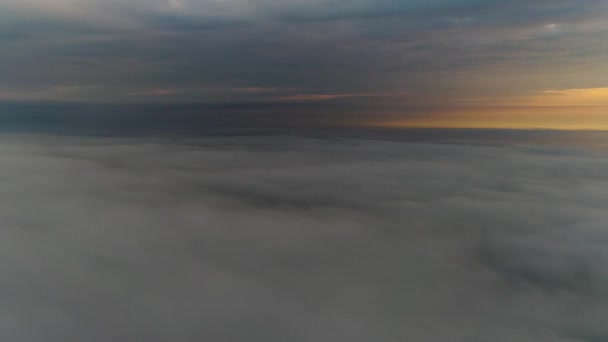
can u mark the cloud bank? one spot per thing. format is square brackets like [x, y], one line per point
[299, 239]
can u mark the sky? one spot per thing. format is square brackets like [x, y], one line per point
[388, 63]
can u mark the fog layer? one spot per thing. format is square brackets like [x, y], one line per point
[296, 239]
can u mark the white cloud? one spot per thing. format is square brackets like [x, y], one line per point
[293, 239]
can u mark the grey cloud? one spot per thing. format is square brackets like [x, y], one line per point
[110, 49]
[276, 238]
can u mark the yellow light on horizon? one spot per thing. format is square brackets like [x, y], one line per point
[514, 117]
[569, 97]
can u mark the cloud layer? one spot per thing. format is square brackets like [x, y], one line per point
[299, 239]
[404, 51]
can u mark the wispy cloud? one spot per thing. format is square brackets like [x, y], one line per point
[572, 97]
[323, 97]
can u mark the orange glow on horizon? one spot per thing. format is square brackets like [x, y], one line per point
[565, 118]
[570, 97]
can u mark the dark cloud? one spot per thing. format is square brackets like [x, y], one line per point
[276, 238]
[103, 51]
